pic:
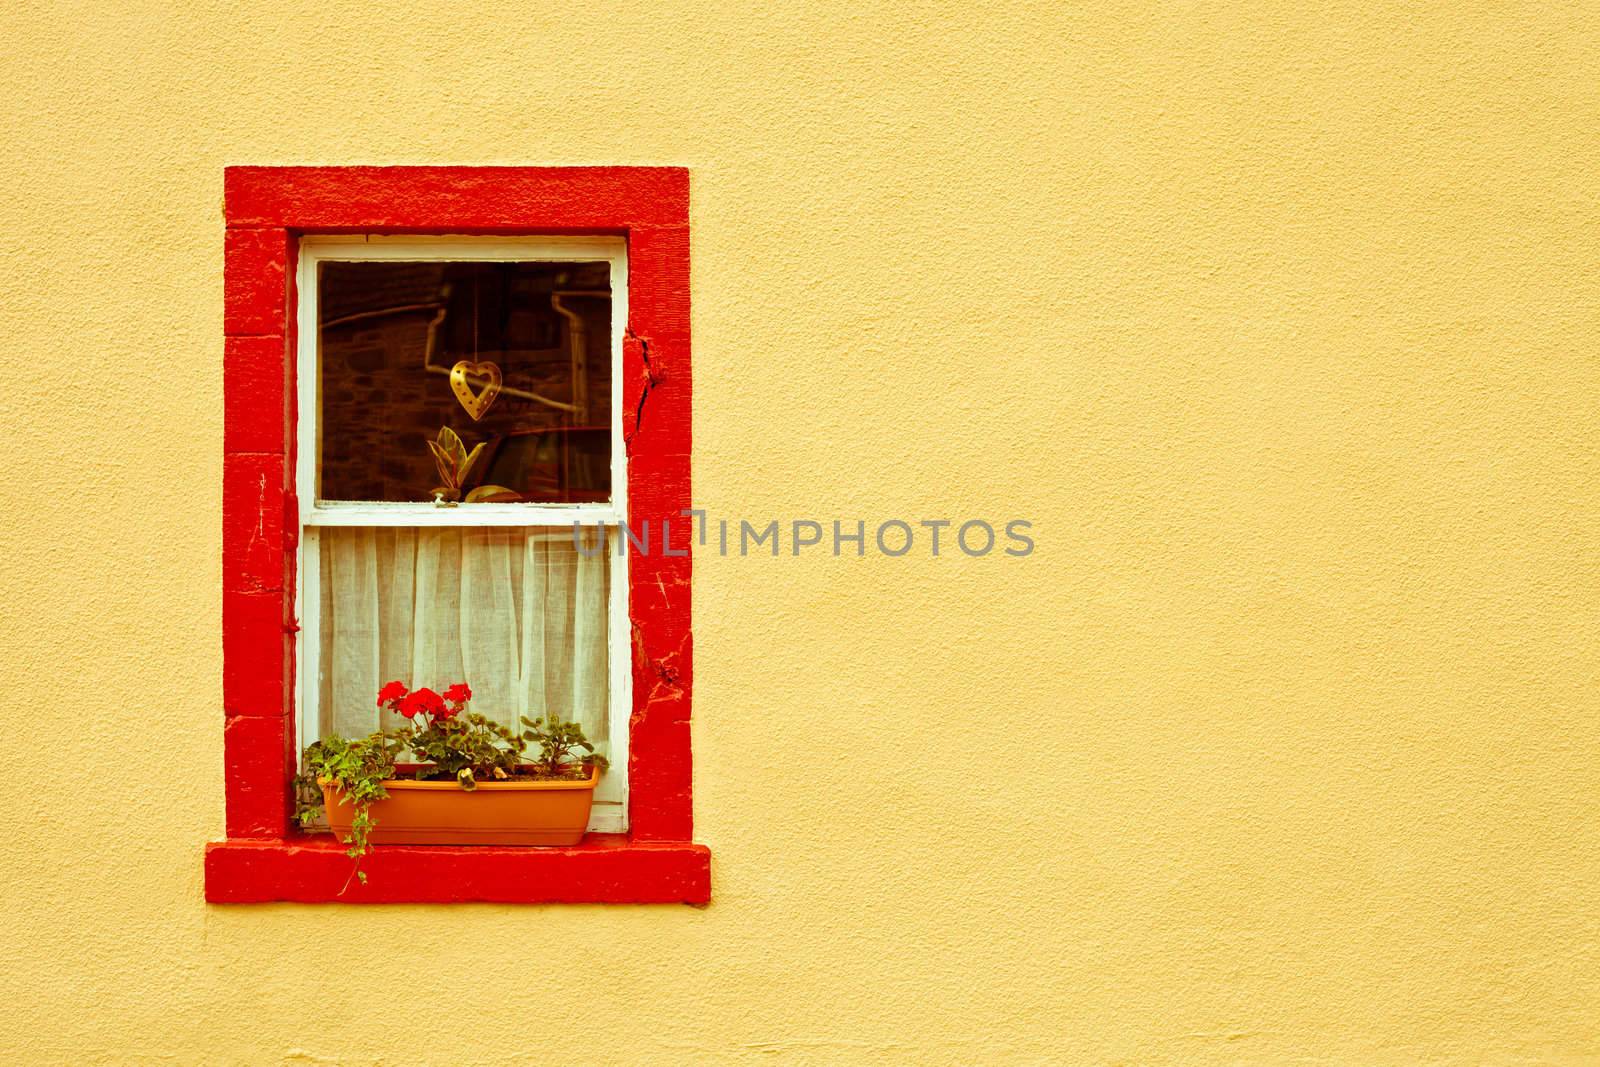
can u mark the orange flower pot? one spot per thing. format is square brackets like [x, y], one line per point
[495, 813]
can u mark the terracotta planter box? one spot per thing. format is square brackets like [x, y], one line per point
[495, 813]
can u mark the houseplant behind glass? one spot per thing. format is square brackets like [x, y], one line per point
[472, 788]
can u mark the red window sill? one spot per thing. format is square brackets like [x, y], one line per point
[605, 869]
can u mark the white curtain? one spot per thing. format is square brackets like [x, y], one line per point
[519, 614]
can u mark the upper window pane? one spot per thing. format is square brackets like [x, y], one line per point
[407, 349]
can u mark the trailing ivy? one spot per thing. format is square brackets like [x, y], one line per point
[358, 770]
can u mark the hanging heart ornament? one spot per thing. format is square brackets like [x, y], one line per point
[463, 376]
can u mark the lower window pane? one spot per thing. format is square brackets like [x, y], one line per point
[519, 614]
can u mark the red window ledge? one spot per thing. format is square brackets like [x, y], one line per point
[266, 210]
[605, 869]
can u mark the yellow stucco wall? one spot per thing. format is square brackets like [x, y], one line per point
[1278, 320]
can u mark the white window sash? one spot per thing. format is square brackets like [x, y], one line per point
[611, 799]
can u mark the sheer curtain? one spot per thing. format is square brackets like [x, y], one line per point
[517, 613]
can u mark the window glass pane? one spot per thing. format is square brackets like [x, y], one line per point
[390, 334]
[518, 613]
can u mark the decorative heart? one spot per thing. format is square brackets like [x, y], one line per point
[462, 377]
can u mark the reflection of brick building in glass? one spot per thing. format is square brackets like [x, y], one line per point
[386, 324]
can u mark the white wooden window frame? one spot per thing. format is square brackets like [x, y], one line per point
[610, 813]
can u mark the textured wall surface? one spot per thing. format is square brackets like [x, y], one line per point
[1279, 322]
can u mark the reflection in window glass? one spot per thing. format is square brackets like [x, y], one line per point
[390, 333]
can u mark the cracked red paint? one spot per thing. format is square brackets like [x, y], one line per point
[648, 378]
[266, 208]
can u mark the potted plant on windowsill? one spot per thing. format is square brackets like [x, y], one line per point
[472, 788]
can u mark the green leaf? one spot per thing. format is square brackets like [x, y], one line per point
[452, 445]
[446, 465]
[493, 494]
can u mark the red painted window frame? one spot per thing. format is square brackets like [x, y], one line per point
[267, 210]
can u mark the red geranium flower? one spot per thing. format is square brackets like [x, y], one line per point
[390, 693]
[459, 693]
[423, 700]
